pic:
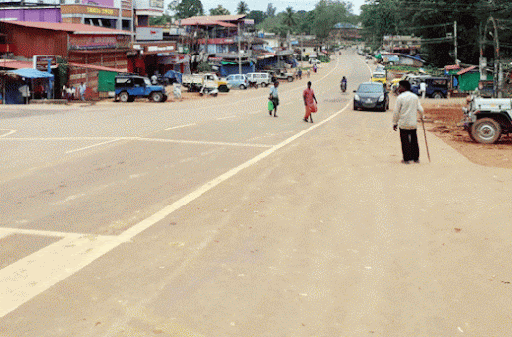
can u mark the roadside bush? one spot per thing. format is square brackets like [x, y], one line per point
[204, 67]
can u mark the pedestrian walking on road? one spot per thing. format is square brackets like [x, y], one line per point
[274, 98]
[405, 117]
[82, 89]
[423, 89]
[310, 102]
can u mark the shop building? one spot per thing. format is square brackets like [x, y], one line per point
[80, 45]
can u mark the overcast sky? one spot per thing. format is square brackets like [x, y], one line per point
[262, 5]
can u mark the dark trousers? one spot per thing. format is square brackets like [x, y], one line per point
[410, 148]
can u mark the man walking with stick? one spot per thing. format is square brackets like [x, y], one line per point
[405, 117]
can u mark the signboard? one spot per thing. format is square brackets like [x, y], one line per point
[100, 11]
[157, 4]
[90, 42]
[149, 34]
[40, 62]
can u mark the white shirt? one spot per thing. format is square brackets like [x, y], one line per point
[423, 86]
[406, 111]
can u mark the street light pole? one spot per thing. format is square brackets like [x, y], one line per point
[239, 51]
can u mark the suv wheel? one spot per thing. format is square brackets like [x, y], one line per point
[264, 84]
[157, 97]
[242, 87]
[437, 95]
[124, 97]
[290, 79]
[486, 131]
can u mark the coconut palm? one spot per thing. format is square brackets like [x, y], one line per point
[242, 8]
[289, 17]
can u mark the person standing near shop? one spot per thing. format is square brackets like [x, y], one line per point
[405, 117]
[310, 102]
[274, 97]
[82, 89]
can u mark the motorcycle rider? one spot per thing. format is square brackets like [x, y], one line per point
[344, 83]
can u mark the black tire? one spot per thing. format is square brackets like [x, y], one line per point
[486, 131]
[223, 88]
[263, 84]
[256, 86]
[124, 97]
[290, 79]
[242, 87]
[437, 95]
[164, 98]
[156, 96]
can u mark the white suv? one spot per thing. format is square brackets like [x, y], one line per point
[262, 79]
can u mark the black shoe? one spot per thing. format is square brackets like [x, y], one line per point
[275, 115]
[417, 161]
[270, 113]
[311, 120]
[405, 161]
[305, 120]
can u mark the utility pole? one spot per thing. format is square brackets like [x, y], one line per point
[239, 51]
[455, 41]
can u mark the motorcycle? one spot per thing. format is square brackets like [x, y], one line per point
[208, 91]
[253, 84]
[343, 86]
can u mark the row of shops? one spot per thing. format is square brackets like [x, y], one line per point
[80, 55]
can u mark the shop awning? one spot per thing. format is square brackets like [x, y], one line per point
[31, 73]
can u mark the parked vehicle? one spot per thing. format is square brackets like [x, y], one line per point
[414, 79]
[371, 95]
[237, 81]
[437, 87]
[314, 61]
[130, 86]
[194, 82]
[262, 79]
[379, 76]
[171, 77]
[486, 119]
[282, 75]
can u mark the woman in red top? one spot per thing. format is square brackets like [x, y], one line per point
[310, 102]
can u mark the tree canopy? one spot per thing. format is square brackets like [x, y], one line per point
[186, 8]
[219, 10]
[242, 8]
[433, 21]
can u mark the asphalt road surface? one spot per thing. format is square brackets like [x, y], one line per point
[212, 218]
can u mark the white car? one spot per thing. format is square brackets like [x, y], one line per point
[314, 61]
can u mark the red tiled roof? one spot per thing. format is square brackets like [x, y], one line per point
[204, 21]
[219, 17]
[15, 64]
[76, 28]
[463, 71]
[452, 67]
[95, 67]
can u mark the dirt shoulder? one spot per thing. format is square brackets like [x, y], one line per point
[443, 119]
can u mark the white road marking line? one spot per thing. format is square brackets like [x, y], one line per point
[10, 230]
[202, 142]
[94, 145]
[34, 274]
[180, 126]
[8, 133]
[220, 118]
[5, 234]
[112, 139]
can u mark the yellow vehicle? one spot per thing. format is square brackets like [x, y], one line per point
[379, 76]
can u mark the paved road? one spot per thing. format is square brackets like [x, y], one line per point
[210, 218]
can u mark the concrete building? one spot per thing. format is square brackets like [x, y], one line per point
[403, 44]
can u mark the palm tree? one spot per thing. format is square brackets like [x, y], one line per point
[242, 8]
[289, 18]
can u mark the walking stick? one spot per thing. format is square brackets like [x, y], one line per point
[426, 143]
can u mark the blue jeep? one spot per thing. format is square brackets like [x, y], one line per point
[437, 87]
[129, 87]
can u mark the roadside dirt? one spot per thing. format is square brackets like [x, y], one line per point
[444, 117]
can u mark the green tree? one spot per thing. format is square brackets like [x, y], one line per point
[271, 11]
[219, 10]
[257, 16]
[242, 8]
[326, 14]
[160, 20]
[289, 18]
[187, 8]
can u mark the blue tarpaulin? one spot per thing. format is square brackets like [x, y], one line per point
[31, 73]
[172, 74]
